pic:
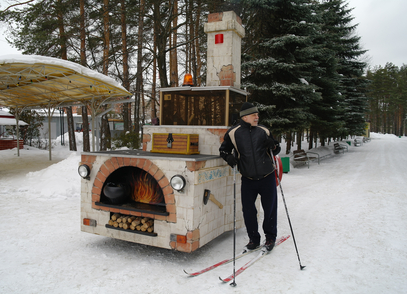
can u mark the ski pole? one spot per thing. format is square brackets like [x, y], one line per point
[286, 211]
[233, 284]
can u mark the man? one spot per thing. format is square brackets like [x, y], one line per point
[252, 143]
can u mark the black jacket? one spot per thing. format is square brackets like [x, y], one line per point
[250, 143]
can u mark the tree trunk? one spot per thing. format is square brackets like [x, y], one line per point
[154, 85]
[85, 121]
[288, 141]
[188, 44]
[139, 73]
[193, 49]
[311, 138]
[322, 141]
[198, 78]
[299, 139]
[64, 55]
[85, 129]
[105, 130]
[71, 131]
[161, 34]
[126, 82]
[173, 52]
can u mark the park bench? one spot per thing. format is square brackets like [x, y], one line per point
[340, 147]
[302, 156]
[358, 142]
[321, 152]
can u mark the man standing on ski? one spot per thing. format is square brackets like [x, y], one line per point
[252, 144]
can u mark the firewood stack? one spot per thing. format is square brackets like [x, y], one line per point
[129, 222]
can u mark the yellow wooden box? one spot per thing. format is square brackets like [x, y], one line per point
[180, 143]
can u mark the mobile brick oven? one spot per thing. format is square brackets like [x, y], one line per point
[176, 193]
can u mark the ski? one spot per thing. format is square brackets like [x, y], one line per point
[262, 252]
[244, 252]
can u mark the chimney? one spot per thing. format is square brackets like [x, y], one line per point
[225, 33]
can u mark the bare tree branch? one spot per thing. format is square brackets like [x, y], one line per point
[17, 4]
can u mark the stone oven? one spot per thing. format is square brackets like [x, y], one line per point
[176, 192]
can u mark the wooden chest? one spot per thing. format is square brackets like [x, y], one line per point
[175, 143]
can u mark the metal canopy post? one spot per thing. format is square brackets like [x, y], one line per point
[93, 110]
[49, 129]
[18, 133]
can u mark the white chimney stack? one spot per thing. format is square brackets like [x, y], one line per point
[225, 33]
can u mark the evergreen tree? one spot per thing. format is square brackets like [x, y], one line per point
[402, 101]
[388, 99]
[327, 111]
[342, 109]
[37, 27]
[353, 104]
[278, 60]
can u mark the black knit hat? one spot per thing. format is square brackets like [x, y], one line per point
[248, 108]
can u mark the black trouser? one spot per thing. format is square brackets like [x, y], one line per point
[267, 189]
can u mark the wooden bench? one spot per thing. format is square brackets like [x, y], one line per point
[340, 147]
[302, 156]
[321, 152]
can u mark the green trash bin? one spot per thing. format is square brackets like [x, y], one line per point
[286, 164]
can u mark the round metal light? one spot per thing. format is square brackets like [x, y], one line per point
[84, 171]
[177, 182]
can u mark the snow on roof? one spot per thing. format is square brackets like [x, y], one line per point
[33, 59]
[5, 113]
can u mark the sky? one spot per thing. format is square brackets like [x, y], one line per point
[381, 26]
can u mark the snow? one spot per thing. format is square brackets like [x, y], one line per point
[349, 216]
[304, 81]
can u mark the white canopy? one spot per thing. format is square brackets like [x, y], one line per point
[28, 81]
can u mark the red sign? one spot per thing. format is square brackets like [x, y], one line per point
[219, 39]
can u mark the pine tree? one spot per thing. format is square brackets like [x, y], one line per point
[278, 60]
[353, 105]
[327, 111]
[388, 99]
[342, 109]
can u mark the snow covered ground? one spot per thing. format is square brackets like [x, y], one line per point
[349, 216]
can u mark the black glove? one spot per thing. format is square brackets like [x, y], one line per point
[232, 161]
[277, 149]
[270, 143]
